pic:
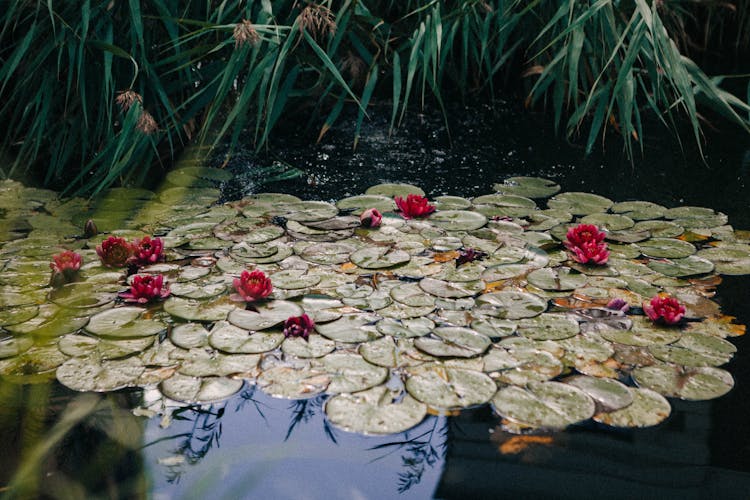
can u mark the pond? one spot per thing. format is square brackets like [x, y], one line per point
[127, 443]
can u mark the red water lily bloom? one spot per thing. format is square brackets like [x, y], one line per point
[414, 206]
[371, 218]
[586, 244]
[298, 326]
[66, 262]
[664, 309]
[147, 251]
[145, 288]
[252, 286]
[114, 252]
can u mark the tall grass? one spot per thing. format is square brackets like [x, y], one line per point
[96, 93]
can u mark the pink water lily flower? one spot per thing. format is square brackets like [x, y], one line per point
[371, 218]
[147, 251]
[298, 326]
[586, 244]
[66, 262]
[414, 206]
[664, 309]
[115, 252]
[146, 288]
[252, 286]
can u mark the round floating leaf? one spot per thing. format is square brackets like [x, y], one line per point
[306, 211]
[182, 196]
[14, 346]
[445, 289]
[375, 411]
[199, 389]
[544, 404]
[521, 366]
[379, 257]
[358, 204]
[608, 222]
[451, 203]
[294, 279]
[322, 309]
[494, 327]
[639, 210]
[695, 349]
[411, 294]
[580, 203]
[689, 266]
[666, 247]
[90, 374]
[530, 187]
[294, 382]
[643, 334]
[548, 327]
[264, 315]
[202, 363]
[512, 304]
[458, 220]
[648, 409]
[405, 328]
[199, 310]
[83, 345]
[393, 190]
[446, 388]
[124, 322]
[454, 341]
[349, 372]
[692, 383]
[18, 314]
[263, 234]
[557, 279]
[37, 364]
[315, 346]
[609, 394]
[392, 353]
[328, 253]
[351, 328]
[232, 339]
[198, 290]
[659, 228]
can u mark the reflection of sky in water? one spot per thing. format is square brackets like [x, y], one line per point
[277, 449]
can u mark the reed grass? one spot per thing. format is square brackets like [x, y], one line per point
[100, 93]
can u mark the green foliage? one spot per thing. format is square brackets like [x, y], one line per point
[98, 93]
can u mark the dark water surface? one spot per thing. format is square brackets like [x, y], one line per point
[254, 446]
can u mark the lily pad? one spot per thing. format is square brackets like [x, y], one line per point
[512, 304]
[608, 394]
[557, 279]
[393, 190]
[199, 389]
[14, 346]
[445, 388]
[548, 327]
[639, 210]
[530, 187]
[328, 253]
[578, 203]
[358, 204]
[608, 222]
[264, 315]
[453, 342]
[379, 257]
[351, 328]
[551, 405]
[124, 322]
[458, 220]
[90, 374]
[199, 310]
[375, 411]
[315, 346]
[229, 338]
[649, 408]
[700, 383]
[695, 349]
[405, 328]
[688, 266]
[666, 247]
[446, 289]
[350, 372]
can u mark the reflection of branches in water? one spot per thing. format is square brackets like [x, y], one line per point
[304, 410]
[419, 453]
[248, 396]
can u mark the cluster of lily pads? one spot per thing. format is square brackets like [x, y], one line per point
[462, 303]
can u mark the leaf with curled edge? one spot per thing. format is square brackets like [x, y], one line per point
[597, 319]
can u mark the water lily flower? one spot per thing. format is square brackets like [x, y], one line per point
[145, 288]
[618, 305]
[114, 252]
[585, 242]
[252, 286]
[90, 229]
[371, 218]
[469, 255]
[147, 251]
[664, 309]
[298, 326]
[66, 262]
[414, 206]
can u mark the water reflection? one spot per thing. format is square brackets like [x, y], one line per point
[255, 446]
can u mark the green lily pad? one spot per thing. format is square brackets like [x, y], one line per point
[544, 404]
[322, 309]
[445, 289]
[494, 327]
[639, 210]
[202, 289]
[392, 353]
[358, 204]
[199, 310]
[203, 363]
[688, 266]
[90, 374]
[578, 203]
[521, 366]
[199, 390]
[643, 334]
[530, 187]
[294, 382]
[264, 315]
[375, 411]
[695, 349]
[453, 342]
[608, 222]
[328, 253]
[229, 338]
[18, 314]
[315, 346]
[445, 388]
[379, 257]
[294, 279]
[649, 408]
[548, 327]
[14, 346]
[512, 304]
[458, 220]
[350, 372]
[666, 247]
[405, 328]
[124, 322]
[189, 335]
[659, 228]
[351, 328]
[411, 294]
[451, 203]
[701, 383]
[183, 196]
[608, 394]
[393, 190]
[83, 345]
[557, 279]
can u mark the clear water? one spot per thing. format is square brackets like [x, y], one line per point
[254, 446]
